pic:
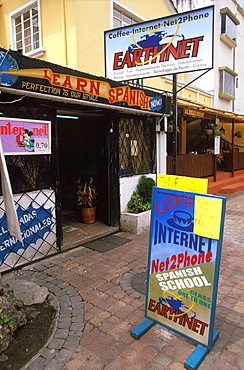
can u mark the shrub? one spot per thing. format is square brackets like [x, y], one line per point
[136, 205]
[144, 188]
[140, 200]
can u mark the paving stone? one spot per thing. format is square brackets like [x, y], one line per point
[56, 343]
[93, 329]
[38, 363]
[61, 333]
[49, 354]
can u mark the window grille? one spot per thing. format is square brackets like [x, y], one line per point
[136, 146]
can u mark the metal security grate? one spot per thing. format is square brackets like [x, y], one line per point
[136, 146]
[30, 172]
[33, 181]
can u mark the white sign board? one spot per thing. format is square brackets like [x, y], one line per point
[174, 44]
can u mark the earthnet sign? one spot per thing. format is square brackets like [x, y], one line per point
[175, 44]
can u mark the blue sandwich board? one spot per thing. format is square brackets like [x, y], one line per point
[185, 244]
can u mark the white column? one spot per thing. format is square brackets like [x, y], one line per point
[162, 149]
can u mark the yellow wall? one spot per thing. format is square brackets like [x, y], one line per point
[228, 133]
[205, 100]
[73, 32]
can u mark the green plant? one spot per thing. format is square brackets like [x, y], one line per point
[87, 193]
[136, 204]
[140, 200]
[5, 319]
[170, 127]
[239, 134]
[213, 127]
[144, 188]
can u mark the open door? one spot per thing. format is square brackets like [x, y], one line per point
[107, 165]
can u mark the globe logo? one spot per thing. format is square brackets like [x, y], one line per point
[149, 40]
[7, 64]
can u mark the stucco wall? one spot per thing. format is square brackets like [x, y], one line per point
[127, 186]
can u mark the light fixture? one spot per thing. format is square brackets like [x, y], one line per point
[67, 117]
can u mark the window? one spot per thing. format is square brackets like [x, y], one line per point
[121, 19]
[228, 25]
[25, 29]
[241, 3]
[227, 83]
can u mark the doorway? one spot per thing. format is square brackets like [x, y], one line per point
[84, 151]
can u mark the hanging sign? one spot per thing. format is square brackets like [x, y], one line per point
[21, 136]
[178, 43]
[184, 256]
[36, 77]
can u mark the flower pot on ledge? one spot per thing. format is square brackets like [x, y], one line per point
[88, 215]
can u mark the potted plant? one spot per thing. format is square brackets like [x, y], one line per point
[87, 198]
[170, 127]
[239, 134]
[211, 128]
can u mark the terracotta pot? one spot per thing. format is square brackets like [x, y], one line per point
[208, 131]
[88, 215]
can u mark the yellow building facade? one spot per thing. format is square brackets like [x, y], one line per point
[71, 33]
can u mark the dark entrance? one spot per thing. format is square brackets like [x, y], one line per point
[86, 149]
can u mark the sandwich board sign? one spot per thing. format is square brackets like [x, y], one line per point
[185, 243]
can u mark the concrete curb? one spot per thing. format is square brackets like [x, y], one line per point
[69, 325]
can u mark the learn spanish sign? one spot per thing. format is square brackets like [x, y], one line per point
[42, 79]
[184, 257]
[174, 44]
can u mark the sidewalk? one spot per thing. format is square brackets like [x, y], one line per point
[100, 301]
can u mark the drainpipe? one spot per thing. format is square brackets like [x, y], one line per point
[65, 33]
[232, 152]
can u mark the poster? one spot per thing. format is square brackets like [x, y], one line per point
[182, 182]
[183, 262]
[21, 136]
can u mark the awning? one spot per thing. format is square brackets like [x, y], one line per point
[218, 113]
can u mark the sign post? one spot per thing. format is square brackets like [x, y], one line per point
[183, 266]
